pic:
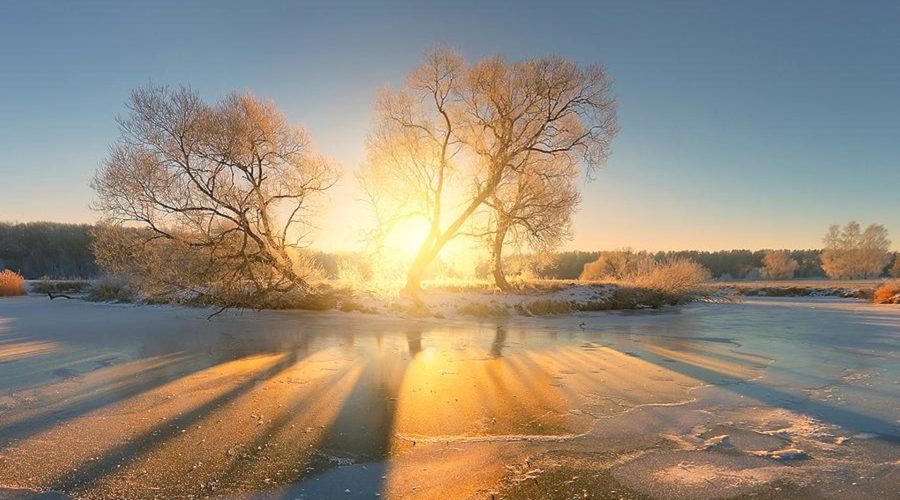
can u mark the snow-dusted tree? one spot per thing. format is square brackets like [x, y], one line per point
[219, 194]
[874, 254]
[481, 126]
[619, 265]
[531, 210]
[779, 265]
[837, 254]
[853, 253]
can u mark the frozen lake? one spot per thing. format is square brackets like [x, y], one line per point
[769, 397]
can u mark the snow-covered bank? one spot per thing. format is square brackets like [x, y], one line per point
[532, 298]
[537, 298]
[850, 289]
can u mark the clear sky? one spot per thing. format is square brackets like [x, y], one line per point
[743, 124]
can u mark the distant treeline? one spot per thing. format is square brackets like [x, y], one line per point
[54, 250]
[722, 264]
[51, 249]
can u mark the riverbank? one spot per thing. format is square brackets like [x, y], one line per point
[481, 299]
[440, 300]
[856, 289]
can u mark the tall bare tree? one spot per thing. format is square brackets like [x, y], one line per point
[481, 126]
[532, 210]
[874, 254]
[222, 189]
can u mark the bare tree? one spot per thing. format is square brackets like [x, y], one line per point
[853, 253]
[412, 147]
[482, 126]
[223, 191]
[618, 265]
[531, 210]
[779, 265]
[895, 270]
[874, 254]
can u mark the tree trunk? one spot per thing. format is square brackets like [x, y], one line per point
[416, 270]
[497, 259]
[432, 246]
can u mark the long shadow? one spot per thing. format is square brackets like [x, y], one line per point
[360, 434]
[111, 392]
[191, 354]
[849, 419]
[287, 418]
[87, 474]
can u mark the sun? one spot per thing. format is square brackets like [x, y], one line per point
[407, 236]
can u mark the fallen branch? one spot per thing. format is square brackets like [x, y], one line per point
[57, 295]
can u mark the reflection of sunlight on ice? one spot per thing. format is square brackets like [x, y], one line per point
[556, 393]
[409, 393]
[12, 350]
[15, 348]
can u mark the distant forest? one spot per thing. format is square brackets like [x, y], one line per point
[51, 249]
[60, 251]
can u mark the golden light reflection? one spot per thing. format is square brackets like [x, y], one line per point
[13, 350]
[272, 415]
[448, 395]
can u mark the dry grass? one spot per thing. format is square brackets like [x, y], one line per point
[11, 283]
[642, 280]
[547, 306]
[109, 289]
[59, 286]
[483, 310]
[888, 293]
[678, 276]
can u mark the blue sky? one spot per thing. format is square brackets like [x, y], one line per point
[743, 125]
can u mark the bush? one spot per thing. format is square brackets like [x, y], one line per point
[888, 293]
[618, 265]
[481, 309]
[11, 283]
[544, 307]
[779, 265]
[109, 289]
[676, 276]
[53, 286]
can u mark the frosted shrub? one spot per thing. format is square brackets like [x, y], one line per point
[678, 276]
[888, 293]
[110, 289]
[11, 283]
[618, 265]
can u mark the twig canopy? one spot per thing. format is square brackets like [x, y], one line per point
[230, 184]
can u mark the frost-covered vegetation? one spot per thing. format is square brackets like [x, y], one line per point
[11, 283]
[220, 194]
[212, 203]
[888, 293]
[851, 252]
[677, 276]
[779, 265]
[490, 148]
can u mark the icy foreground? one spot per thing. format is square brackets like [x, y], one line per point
[769, 397]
